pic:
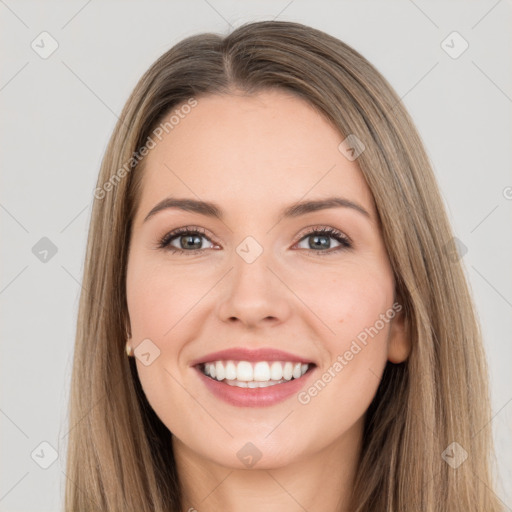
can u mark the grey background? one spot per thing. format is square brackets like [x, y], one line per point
[58, 113]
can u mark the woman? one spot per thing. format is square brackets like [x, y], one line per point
[269, 244]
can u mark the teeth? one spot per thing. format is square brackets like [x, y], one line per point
[230, 370]
[253, 384]
[287, 371]
[254, 375]
[261, 372]
[220, 372]
[244, 371]
[276, 371]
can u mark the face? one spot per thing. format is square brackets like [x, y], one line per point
[280, 291]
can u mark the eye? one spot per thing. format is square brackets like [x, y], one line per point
[318, 238]
[188, 239]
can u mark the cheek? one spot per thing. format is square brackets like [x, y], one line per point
[363, 316]
[356, 303]
[158, 296]
[348, 299]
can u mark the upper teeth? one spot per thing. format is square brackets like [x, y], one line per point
[261, 371]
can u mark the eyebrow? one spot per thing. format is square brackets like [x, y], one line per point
[210, 209]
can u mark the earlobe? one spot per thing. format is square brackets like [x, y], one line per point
[399, 340]
[129, 350]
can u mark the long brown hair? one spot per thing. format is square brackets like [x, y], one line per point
[119, 452]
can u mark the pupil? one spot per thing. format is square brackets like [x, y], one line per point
[196, 240]
[325, 239]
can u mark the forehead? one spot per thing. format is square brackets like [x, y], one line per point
[251, 152]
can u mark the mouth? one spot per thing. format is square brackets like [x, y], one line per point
[259, 374]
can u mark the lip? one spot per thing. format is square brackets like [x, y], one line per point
[254, 355]
[255, 397]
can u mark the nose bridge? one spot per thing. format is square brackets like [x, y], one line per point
[254, 292]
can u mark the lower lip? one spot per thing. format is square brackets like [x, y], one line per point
[255, 397]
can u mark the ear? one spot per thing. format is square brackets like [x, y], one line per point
[399, 341]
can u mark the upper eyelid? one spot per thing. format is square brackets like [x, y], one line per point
[322, 228]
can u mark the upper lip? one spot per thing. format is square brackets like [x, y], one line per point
[254, 355]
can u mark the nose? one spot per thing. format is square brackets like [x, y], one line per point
[253, 293]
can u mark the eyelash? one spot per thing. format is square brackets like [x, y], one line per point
[164, 242]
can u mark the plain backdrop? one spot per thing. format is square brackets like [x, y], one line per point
[57, 114]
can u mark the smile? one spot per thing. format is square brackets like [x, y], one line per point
[260, 374]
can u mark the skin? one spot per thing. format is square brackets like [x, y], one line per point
[233, 150]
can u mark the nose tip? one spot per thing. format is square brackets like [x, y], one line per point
[253, 293]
